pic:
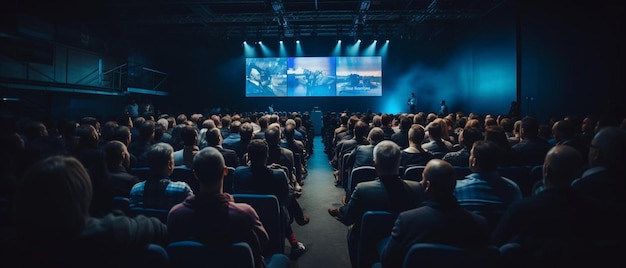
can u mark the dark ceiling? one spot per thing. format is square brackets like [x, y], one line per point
[411, 19]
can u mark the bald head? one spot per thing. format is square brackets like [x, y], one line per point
[209, 167]
[439, 178]
[608, 148]
[562, 165]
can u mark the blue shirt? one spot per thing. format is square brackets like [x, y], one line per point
[175, 192]
[486, 192]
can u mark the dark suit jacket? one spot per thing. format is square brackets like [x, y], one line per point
[121, 181]
[438, 221]
[230, 157]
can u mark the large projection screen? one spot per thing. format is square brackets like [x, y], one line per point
[314, 76]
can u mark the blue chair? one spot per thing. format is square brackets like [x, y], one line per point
[121, 203]
[344, 170]
[270, 214]
[414, 173]
[155, 256]
[228, 180]
[430, 255]
[375, 226]
[461, 172]
[358, 175]
[143, 173]
[183, 173]
[195, 254]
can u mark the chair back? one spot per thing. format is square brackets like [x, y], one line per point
[297, 166]
[121, 203]
[461, 172]
[160, 214]
[430, 255]
[414, 173]
[228, 180]
[155, 256]
[358, 175]
[344, 170]
[270, 214]
[375, 226]
[183, 173]
[520, 175]
[195, 254]
[143, 173]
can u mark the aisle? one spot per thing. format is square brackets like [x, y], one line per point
[324, 236]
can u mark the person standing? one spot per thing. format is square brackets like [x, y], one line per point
[443, 110]
[412, 103]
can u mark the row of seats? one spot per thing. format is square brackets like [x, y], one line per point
[183, 173]
[525, 176]
[195, 254]
[376, 227]
[266, 206]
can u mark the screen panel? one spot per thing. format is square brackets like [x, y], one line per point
[313, 76]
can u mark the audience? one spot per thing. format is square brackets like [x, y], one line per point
[439, 220]
[467, 137]
[118, 163]
[388, 193]
[214, 139]
[532, 149]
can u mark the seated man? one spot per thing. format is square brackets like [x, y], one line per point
[437, 145]
[212, 216]
[388, 193]
[213, 139]
[441, 220]
[548, 225]
[118, 163]
[158, 191]
[258, 178]
[484, 191]
[467, 137]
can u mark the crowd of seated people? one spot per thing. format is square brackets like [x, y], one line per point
[85, 165]
[577, 183]
[81, 165]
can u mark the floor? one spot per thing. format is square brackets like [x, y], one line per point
[324, 236]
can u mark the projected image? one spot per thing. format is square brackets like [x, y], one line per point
[266, 77]
[359, 76]
[313, 76]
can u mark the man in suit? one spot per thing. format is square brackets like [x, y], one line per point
[213, 138]
[440, 220]
[118, 162]
[387, 193]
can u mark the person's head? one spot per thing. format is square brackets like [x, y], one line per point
[443, 102]
[272, 136]
[506, 124]
[416, 135]
[484, 156]
[209, 168]
[208, 124]
[497, 135]
[246, 131]
[361, 129]
[163, 124]
[255, 75]
[530, 127]
[225, 121]
[290, 131]
[263, 122]
[589, 124]
[376, 135]
[234, 126]
[189, 135]
[257, 152]
[59, 188]
[122, 134]
[608, 148]
[562, 165]
[439, 178]
[435, 131]
[116, 154]
[87, 136]
[34, 130]
[387, 158]
[405, 123]
[160, 158]
[469, 135]
[563, 130]
[213, 137]
[146, 130]
[181, 119]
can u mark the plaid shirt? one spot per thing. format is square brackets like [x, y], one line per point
[175, 193]
[486, 192]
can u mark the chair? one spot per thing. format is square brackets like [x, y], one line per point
[160, 214]
[270, 214]
[121, 203]
[461, 172]
[297, 166]
[375, 226]
[155, 256]
[359, 174]
[520, 175]
[195, 254]
[430, 255]
[228, 180]
[536, 176]
[143, 173]
[185, 174]
[414, 173]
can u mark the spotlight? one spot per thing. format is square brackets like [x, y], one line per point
[281, 41]
[297, 41]
[339, 41]
[359, 41]
[387, 41]
[260, 42]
